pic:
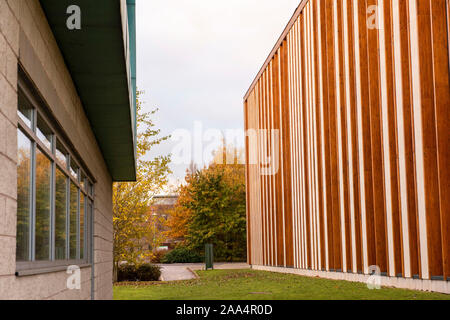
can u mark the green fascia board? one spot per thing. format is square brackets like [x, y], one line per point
[131, 6]
[96, 59]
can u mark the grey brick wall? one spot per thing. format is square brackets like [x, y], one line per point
[26, 38]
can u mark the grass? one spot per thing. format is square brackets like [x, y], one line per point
[261, 285]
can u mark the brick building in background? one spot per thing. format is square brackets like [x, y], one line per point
[160, 210]
[67, 131]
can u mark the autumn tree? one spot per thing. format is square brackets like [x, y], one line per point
[211, 207]
[135, 232]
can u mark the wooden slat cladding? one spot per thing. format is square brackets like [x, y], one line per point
[348, 142]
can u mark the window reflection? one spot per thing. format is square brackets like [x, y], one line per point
[73, 220]
[60, 215]
[44, 133]
[25, 111]
[83, 182]
[43, 182]
[23, 196]
[82, 213]
[53, 213]
[61, 154]
[74, 169]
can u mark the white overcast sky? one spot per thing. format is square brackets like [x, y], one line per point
[197, 58]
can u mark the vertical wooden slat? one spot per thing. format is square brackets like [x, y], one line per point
[287, 155]
[354, 153]
[287, 104]
[326, 129]
[362, 158]
[272, 234]
[440, 37]
[377, 146]
[321, 195]
[298, 176]
[349, 103]
[265, 205]
[392, 138]
[401, 143]
[293, 159]
[366, 132]
[431, 176]
[336, 220]
[407, 97]
[386, 103]
[305, 149]
[279, 213]
[416, 85]
[247, 188]
[320, 139]
[342, 138]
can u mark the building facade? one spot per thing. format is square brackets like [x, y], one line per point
[160, 210]
[348, 145]
[67, 131]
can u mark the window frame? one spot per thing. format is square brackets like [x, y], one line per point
[31, 266]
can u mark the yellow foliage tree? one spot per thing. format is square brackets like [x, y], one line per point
[135, 232]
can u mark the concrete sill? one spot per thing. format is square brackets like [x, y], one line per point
[52, 269]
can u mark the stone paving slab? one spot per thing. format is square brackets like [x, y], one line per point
[177, 272]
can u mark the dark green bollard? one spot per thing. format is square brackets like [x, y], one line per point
[209, 257]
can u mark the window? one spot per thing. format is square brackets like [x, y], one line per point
[23, 196]
[54, 193]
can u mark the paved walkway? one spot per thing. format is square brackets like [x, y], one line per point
[175, 272]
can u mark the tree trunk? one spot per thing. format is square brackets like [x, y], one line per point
[115, 271]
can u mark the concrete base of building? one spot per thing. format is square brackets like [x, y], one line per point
[439, 286]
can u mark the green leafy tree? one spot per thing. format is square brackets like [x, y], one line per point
[213, 205]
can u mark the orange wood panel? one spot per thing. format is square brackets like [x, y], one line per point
[279, 192]
[440, 51]
[326, 119]
[317, 102]
[342, 110]
[305, 150]
[409, 139]
[429, 139]
[286, 156]
[393, 151]
[336, 219]
[377, 146]
[269, 153]
[367, 132]
[247, 180]
[356, 153]
[260, 90]
[269, 190]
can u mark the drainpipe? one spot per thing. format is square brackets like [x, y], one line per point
[92, 213]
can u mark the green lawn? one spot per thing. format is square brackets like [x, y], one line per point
[260, 285]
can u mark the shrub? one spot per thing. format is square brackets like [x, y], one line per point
[158, 256]
[148, 272]
[182, 255]
[145, 272]
[126, 272]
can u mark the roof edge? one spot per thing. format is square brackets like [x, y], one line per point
[277, 46]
